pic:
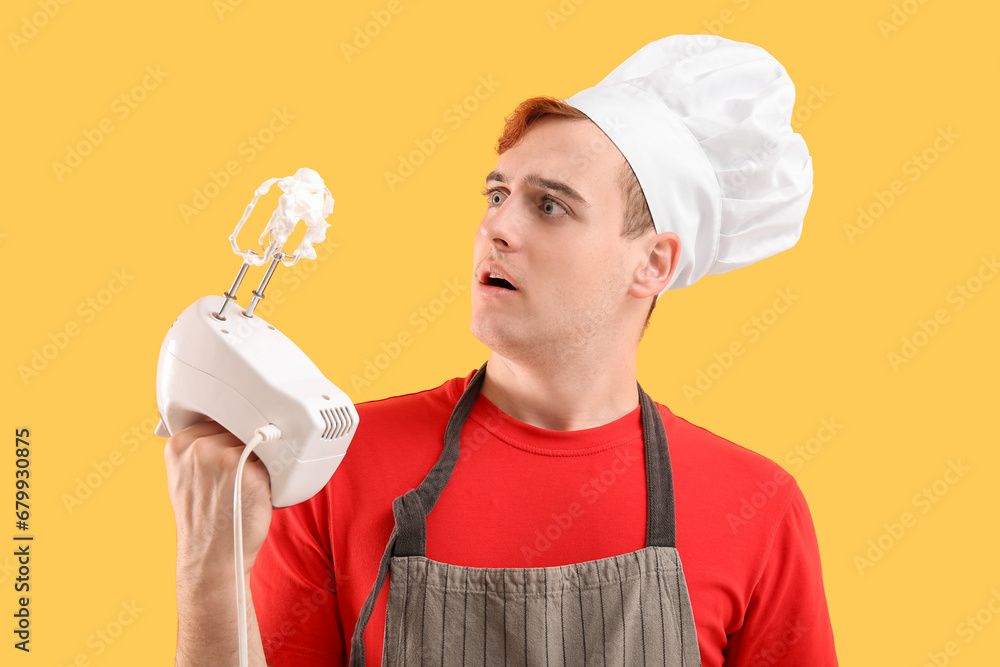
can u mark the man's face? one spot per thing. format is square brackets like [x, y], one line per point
[552, 231]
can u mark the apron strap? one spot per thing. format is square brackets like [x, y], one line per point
[358, 639]
[403, 509]
[661, 521]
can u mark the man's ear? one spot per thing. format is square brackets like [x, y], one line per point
[662, 253]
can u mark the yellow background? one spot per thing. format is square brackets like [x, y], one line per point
[869, 99]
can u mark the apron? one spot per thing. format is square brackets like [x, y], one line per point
[620, 611]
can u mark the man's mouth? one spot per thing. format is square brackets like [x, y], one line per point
[496, 281]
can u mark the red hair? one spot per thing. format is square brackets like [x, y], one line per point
[528, 111]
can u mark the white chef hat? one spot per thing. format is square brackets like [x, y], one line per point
[705, 124]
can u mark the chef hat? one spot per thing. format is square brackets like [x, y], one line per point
[704, 123]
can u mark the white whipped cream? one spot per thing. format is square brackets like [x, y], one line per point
[305, 198]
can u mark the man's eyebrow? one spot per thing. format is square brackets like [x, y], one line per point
[537, 181]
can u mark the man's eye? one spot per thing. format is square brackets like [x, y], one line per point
[551, 206]
[495, 197]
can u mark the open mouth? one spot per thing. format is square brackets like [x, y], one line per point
[495, 280]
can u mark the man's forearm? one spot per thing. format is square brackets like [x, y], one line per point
[207, 632]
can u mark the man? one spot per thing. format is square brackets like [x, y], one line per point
[547, 476]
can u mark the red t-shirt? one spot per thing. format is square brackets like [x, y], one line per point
[523, 496]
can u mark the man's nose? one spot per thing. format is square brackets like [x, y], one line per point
[501, 227]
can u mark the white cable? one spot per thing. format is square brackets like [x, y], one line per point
[263, 434]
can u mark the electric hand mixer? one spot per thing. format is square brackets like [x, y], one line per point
[232, 366]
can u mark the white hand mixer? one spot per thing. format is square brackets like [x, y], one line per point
[249, 377]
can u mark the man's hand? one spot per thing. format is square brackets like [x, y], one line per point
[201, 465]
[201, 472]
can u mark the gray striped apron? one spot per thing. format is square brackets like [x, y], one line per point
[620, 611]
